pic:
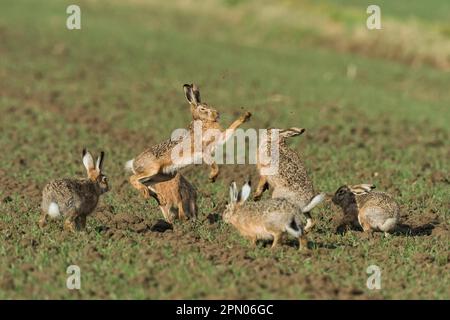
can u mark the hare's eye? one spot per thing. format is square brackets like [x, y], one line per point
[104, 179]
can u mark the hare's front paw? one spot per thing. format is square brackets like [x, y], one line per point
[213, 176]
[246, 116]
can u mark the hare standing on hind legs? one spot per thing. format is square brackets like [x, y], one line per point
[75, 199]
[266, 220]
[375, 211]
[156, 164]
[291, 181]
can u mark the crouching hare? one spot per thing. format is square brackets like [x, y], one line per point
[265, 220]
[375, 211]
[75, 199]
[178, 194]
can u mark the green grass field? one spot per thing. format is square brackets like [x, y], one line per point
[372, 116]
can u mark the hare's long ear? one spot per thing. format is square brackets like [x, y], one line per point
[364, 188]
[233, 192]
[196, 92]
[88, 161]
[245, 191]
[99, 163]
[190, 93]
[368, 187]
[291, 132]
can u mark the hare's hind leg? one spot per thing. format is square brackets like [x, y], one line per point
[70, 223]
[43, 219]
[302, 242]
[182, 211]
[151, 176]
[363, 221]
[165, 209]
[134, 180]
[147, 177]
[193, 209]
[276, 239]
[298, 232]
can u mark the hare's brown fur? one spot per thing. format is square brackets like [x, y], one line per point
[176, 193]
[374, 210]
[266, 220]
[292, 181]
[75, 199]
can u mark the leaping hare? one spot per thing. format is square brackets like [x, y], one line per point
[176, 193]
[375, 211]
[156, 163]
[267, 219]
[291, 182]
[75, 199]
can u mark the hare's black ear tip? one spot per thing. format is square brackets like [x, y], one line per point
[84, 151]
[373, 186]
[186, 85]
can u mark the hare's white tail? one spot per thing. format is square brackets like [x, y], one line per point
[129, 166]
[389, 224]
[314, 202]
[53, 210]
[293, 229]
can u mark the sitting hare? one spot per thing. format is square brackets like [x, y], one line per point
[375, 211]
[291, 181]
[75, 199]
[156, 164]
[176, 193]
[267, 219]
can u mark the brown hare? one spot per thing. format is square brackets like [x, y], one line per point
[375, 211]
[176, 193]
[266, 220]
[156, 164]
[291, 182]
[75, 199]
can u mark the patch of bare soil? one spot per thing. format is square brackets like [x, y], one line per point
[12, 187]
[270, 275]
[426, 224]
